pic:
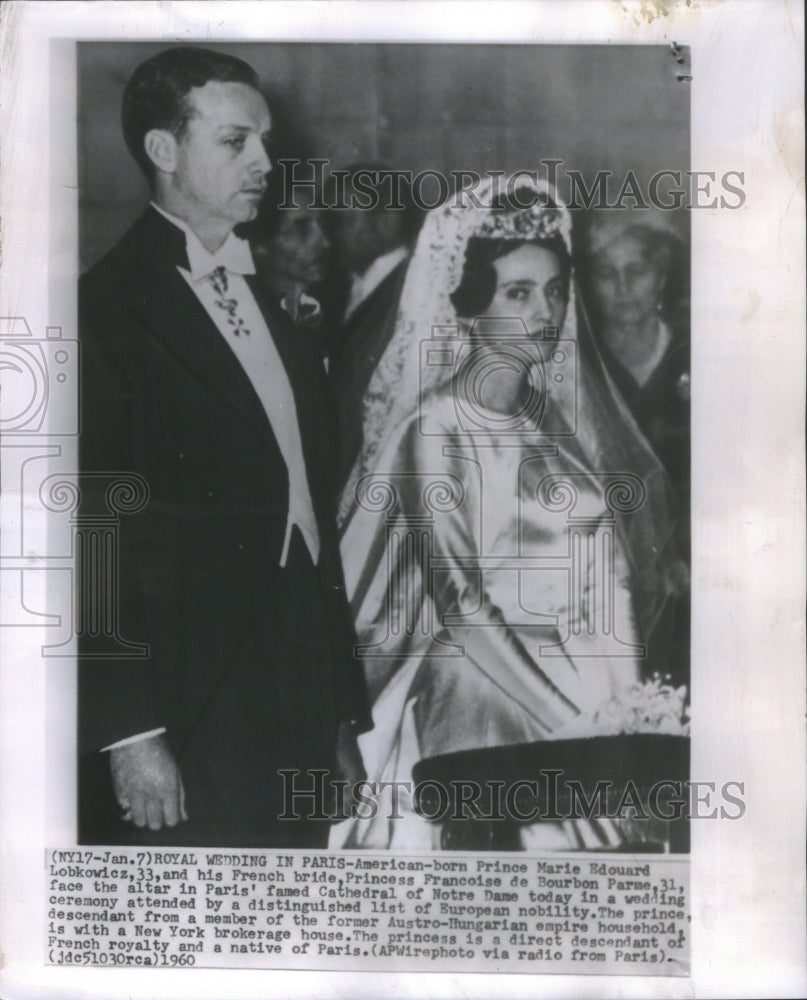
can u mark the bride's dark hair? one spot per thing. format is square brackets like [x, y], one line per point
[477, 286]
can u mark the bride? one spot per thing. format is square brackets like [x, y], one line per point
[506, 526]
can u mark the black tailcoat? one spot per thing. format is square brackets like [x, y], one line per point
[250, 666]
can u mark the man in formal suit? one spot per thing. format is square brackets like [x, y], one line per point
[193, 380]
[372, 246]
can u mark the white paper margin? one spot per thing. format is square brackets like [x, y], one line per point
[748, 460]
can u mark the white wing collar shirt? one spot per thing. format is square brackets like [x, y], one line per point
[217, 280]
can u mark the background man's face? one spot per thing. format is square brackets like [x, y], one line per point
[299, 249]
[221, 158]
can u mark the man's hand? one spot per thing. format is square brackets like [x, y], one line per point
[349, 765]
[147, 783]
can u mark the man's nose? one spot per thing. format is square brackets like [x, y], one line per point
[260, 162]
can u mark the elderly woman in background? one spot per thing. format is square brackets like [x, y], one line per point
[637, 295]
[636, 280]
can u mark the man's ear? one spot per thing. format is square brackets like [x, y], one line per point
[161, 149]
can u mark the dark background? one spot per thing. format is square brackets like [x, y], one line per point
[424, 106]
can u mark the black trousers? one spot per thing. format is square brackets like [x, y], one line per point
[272, 712]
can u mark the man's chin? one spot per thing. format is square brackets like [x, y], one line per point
[249, 213]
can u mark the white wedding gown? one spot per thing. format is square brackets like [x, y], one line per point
[492, 602]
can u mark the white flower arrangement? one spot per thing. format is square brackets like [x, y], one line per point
[651, 707]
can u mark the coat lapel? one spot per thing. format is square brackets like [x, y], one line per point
[289, 346]
[279, 324]
[302, 358]
[162, 297]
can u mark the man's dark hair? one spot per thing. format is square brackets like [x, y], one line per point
[156, 95]
[477, 286]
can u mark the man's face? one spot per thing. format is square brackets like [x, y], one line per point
[299, 249]
[222, 163]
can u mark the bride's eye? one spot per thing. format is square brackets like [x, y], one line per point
[517, 294]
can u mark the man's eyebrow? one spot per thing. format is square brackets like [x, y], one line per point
[234, 127]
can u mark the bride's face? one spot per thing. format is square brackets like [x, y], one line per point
[530, 285]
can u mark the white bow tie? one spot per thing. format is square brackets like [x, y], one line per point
[234, 255]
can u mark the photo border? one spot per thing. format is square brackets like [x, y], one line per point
[748, 463]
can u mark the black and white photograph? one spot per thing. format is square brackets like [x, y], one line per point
[383, 410]
[502, 435]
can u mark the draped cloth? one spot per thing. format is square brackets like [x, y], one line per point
[503, 570]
